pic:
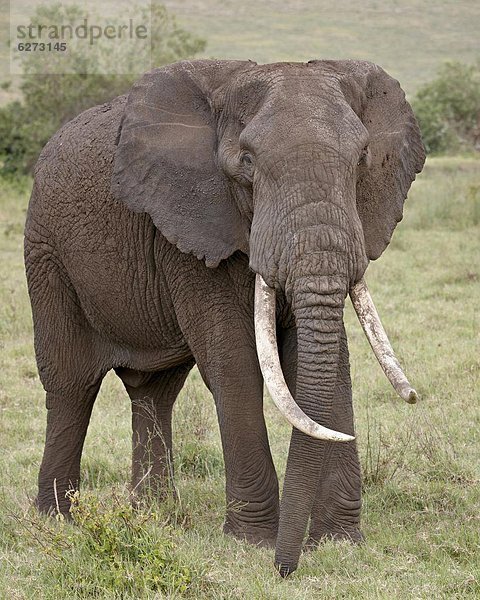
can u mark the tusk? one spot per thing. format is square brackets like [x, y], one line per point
[370, 321]
[267, 349]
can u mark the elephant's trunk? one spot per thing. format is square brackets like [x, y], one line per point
[313, 258]
[318, 302]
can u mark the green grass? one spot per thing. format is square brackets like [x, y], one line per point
[420, 463]
[410, 39]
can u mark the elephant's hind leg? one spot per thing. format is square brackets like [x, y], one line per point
[71, 363]
[68, 416]
[153, 396]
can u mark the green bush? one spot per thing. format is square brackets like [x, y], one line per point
[15, 140]
[50, 100]
[448, 109]
[113, 551]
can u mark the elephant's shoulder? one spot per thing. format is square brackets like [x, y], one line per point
[84, 143]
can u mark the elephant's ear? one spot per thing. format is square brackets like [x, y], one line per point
[395, 150]
[165, 163]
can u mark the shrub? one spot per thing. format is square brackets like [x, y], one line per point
[112, 551]
[50, 100]
[448, 109]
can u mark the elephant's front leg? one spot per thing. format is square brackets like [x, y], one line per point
[233, 375]
[336, 510]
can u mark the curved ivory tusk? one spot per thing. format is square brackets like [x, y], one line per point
[266, 339]
[368, 317]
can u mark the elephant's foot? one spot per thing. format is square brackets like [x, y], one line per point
[350, 534]
[257, 536]
[254, 521]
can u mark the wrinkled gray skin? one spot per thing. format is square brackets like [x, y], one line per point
[148, 220]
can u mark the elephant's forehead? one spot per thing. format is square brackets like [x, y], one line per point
[292, 74]
[272, 86]
[278, 96]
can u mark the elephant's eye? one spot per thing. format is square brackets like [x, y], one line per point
[244, 169]
[246, 159]
[363, 156]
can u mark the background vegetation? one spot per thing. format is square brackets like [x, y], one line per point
[47, 101]
[421, 474]
[448, 106]
[409, 38]
[448, 109]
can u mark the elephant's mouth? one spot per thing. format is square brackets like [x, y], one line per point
[265, 333]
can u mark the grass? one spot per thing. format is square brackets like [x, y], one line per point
[420, 463]
[410, 39]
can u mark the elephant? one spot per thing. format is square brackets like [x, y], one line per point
[219, 214]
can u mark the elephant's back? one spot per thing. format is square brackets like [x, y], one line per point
[96, 128]
[81, 153]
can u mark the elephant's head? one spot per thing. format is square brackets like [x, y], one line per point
[304, 167]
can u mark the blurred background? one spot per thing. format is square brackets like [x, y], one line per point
[420, 467]
[432, 48]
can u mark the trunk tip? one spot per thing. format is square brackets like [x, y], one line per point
[285, 570]
[412, 396]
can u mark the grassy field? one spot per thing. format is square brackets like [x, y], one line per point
[420, 463]
[410, 39]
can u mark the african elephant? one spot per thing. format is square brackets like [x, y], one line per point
[154, 221]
